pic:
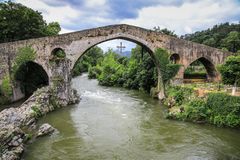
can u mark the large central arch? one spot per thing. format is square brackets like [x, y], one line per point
[145, 46]
[82, 47]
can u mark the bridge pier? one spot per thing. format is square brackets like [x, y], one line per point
[60, 82]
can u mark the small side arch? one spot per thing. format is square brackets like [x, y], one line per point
[58, 53]
[30, 76]
[211, 71]
[175, 58]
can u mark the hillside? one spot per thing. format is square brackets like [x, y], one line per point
[223, 36]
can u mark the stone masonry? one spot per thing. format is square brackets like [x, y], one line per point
[77, 43]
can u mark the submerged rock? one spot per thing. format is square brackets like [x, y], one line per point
[45, 129]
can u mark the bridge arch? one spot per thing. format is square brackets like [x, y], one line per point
[142, 42]
[58, 53]
[175, 58]
[211, 71]
[78, 48]
[29, 77]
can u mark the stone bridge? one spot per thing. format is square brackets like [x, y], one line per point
[77, 43]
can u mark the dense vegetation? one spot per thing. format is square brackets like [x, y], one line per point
[223, 36]
[136, 72]
[18, 22]
[216, 108]
[90, 59]
[230, 70]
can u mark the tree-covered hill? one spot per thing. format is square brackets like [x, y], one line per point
[223, 36]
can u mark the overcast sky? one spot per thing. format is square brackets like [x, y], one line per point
[181, 16]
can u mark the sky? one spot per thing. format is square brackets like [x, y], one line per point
[180, 16]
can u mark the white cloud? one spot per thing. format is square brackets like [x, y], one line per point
[64, 30]
[95, 3]
[189, 17]
[65, 15]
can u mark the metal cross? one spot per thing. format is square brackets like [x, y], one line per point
[121, 47]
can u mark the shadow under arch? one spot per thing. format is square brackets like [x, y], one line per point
[211, 71]
[31, 76]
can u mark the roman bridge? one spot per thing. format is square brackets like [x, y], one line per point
[76, 44]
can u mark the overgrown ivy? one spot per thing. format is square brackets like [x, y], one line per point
[6, 87]
[24, 55]
[167, 69]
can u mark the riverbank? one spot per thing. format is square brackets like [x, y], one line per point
[217, 108]
[18, 124]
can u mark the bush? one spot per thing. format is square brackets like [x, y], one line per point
[196, 110]
[60, 54]
[24, 55]
[94, 72]
[6, 87]
[219, 109]
[179, 94]
[225, 109]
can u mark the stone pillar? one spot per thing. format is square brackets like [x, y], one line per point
[178, 79]
[60, 81]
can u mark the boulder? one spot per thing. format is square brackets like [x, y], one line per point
[45, 129]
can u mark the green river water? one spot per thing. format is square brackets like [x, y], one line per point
[119, 124]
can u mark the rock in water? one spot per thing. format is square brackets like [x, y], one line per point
[45, 129]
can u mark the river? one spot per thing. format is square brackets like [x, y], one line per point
[120, 124]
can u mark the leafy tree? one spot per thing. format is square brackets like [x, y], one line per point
[230, 71]
[111, 70]
[219, 36]
[210, 42]
[90, 59]
[53, 28]
[18, 22]
[232, 41]
[164, 31]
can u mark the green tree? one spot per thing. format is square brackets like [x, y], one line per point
[210, 42]
[230, 71]
[112, 70]
[18, 22]
[90, 59]
[232, 41]
[219, 36]
[52, 29]
[164, 31]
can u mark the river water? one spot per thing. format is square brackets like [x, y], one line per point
[119, 124]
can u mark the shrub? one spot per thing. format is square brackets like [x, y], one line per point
[6, 87]
[225, 109]
[94, 72]
[196, 110]
[179, 94]
[60, 54]
[24, 55]
[218, 108]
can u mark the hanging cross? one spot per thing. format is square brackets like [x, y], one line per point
[121, 47]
